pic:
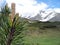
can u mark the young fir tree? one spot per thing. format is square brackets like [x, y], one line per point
[10, 31]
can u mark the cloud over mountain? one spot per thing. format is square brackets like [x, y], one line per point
[28, 7]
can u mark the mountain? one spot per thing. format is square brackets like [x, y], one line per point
[48, 15]
[56, 18]
[37, 17]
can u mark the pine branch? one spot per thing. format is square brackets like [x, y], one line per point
[11, 34]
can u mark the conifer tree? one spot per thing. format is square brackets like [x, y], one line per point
[10, 31]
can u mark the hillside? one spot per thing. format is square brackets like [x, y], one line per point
[42, 33]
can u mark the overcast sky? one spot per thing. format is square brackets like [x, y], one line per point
[32, 7]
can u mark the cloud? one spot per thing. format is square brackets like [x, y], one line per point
[57, 10]
[28, 7]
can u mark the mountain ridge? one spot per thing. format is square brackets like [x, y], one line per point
[49, 15]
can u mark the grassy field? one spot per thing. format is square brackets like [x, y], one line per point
[36, 36]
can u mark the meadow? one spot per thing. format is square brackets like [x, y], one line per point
[45, 36]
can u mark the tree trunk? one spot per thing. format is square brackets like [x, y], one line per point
[10, 36]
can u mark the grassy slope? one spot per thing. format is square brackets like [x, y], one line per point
[37, 36]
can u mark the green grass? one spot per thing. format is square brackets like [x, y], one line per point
[47, 37]
[43, 41]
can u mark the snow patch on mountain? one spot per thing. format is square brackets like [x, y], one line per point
[47, 15]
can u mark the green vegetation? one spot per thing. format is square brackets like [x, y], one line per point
[11, 32]
[43, 37]
[43, 33]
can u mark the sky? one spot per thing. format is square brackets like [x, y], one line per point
[27, 8]
[51, 3]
